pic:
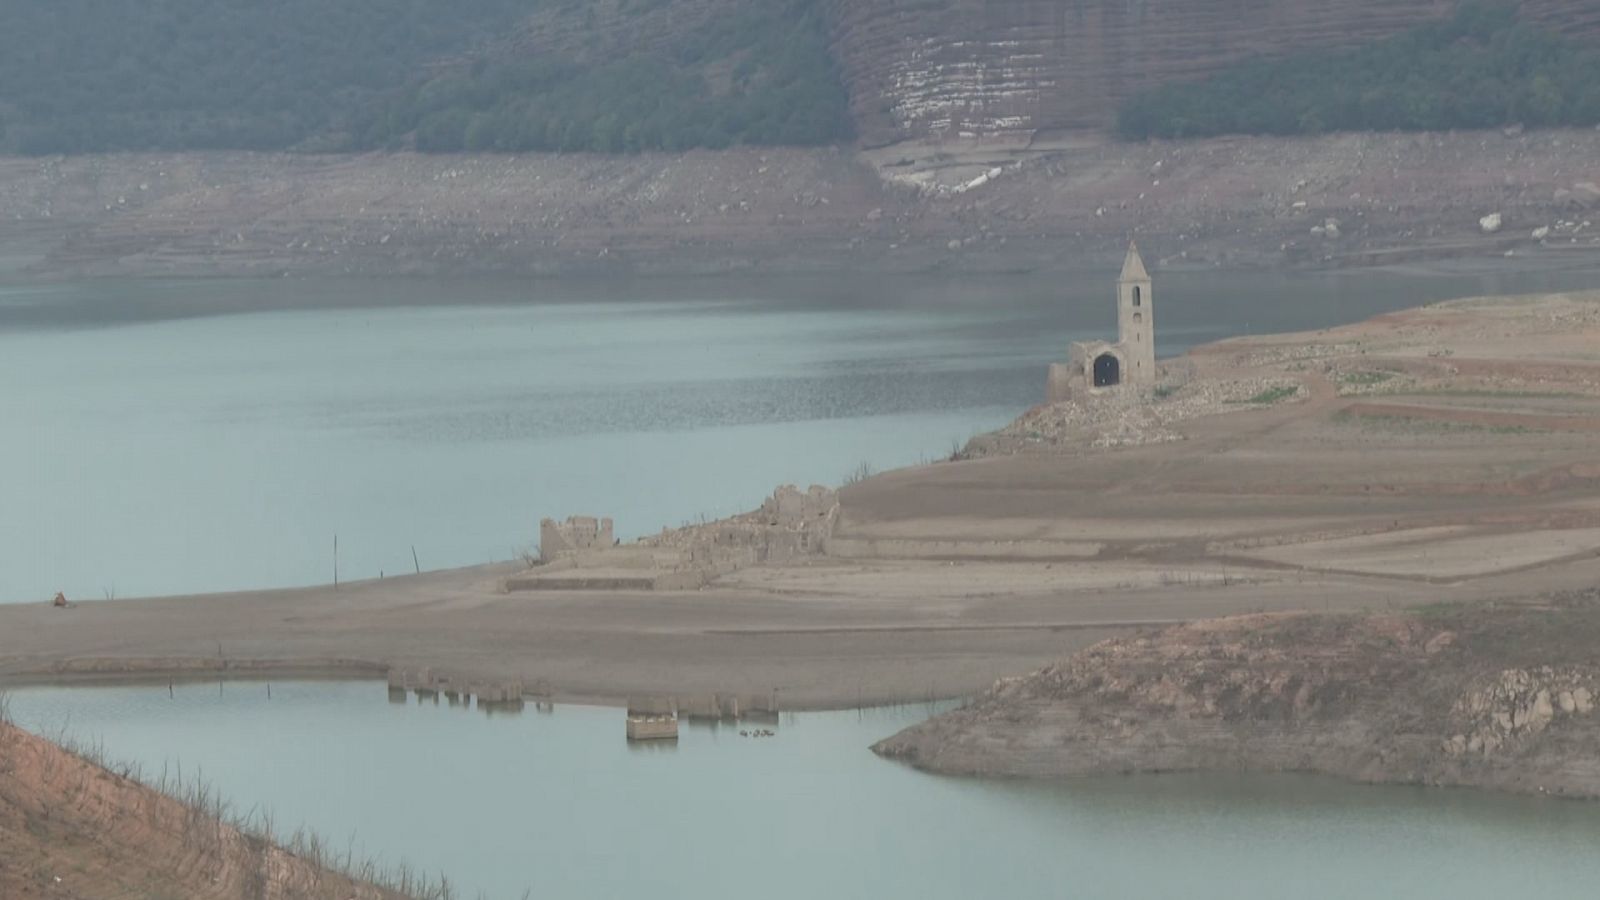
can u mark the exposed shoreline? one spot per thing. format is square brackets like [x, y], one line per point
[1473, 480]
[1498, 696]
[1260, 202]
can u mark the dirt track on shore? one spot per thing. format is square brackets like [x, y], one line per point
[817, 650]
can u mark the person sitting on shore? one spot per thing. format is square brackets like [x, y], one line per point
[60, 600]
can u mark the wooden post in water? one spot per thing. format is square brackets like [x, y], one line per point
[414, 562]
[336, 561]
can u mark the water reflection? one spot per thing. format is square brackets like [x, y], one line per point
[561, 805]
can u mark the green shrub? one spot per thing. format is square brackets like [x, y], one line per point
[1481, 68]
[1272, 394]
[82, 76]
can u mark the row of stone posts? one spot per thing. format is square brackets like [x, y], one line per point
[429, 686]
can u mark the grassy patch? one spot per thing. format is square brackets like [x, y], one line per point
[1418, 425]
[1163, 391]
[1366, 377]
[1271, 395]
[1513, 395]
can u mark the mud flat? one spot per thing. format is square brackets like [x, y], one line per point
[1439, 455]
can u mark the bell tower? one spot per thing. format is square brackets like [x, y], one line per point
[1136, 320]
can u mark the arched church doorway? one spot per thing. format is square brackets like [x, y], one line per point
[1107, 370]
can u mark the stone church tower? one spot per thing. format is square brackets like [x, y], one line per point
[1127, 368]
[1136, 324]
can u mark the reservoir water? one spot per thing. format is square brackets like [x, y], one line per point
[148, 446]
[559, 805]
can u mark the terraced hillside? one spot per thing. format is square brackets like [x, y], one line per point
[1007, 69]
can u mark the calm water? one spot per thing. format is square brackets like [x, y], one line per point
[559, 804]
[146, 449]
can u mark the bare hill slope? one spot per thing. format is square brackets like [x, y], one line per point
[72, 829]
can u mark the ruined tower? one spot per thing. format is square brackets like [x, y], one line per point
[1136, 321]
[1127, 368]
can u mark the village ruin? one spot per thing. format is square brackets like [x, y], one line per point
[583, 554]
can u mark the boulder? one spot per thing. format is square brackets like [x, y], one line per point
[1540, 712]
[1490, 224]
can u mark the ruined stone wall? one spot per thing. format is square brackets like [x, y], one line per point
[791, 524]
[576, 535]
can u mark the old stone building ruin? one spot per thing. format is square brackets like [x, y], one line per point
[582, 553]
[1126, 367]
[578, 534]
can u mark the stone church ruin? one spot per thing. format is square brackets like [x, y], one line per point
[1128, 366]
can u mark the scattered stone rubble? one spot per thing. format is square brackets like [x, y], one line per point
[1391, 197]
[1519, 703]
[1107, 422]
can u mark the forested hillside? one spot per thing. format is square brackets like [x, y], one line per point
[714, 74]
[83, 75]
[1480, 69]
[97, 75]
[624, 76]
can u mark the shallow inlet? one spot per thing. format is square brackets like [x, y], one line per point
[559, 803]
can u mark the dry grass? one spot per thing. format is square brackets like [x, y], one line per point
[860, 473]
[213, 829]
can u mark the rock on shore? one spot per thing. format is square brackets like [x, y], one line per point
[1501, 696]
